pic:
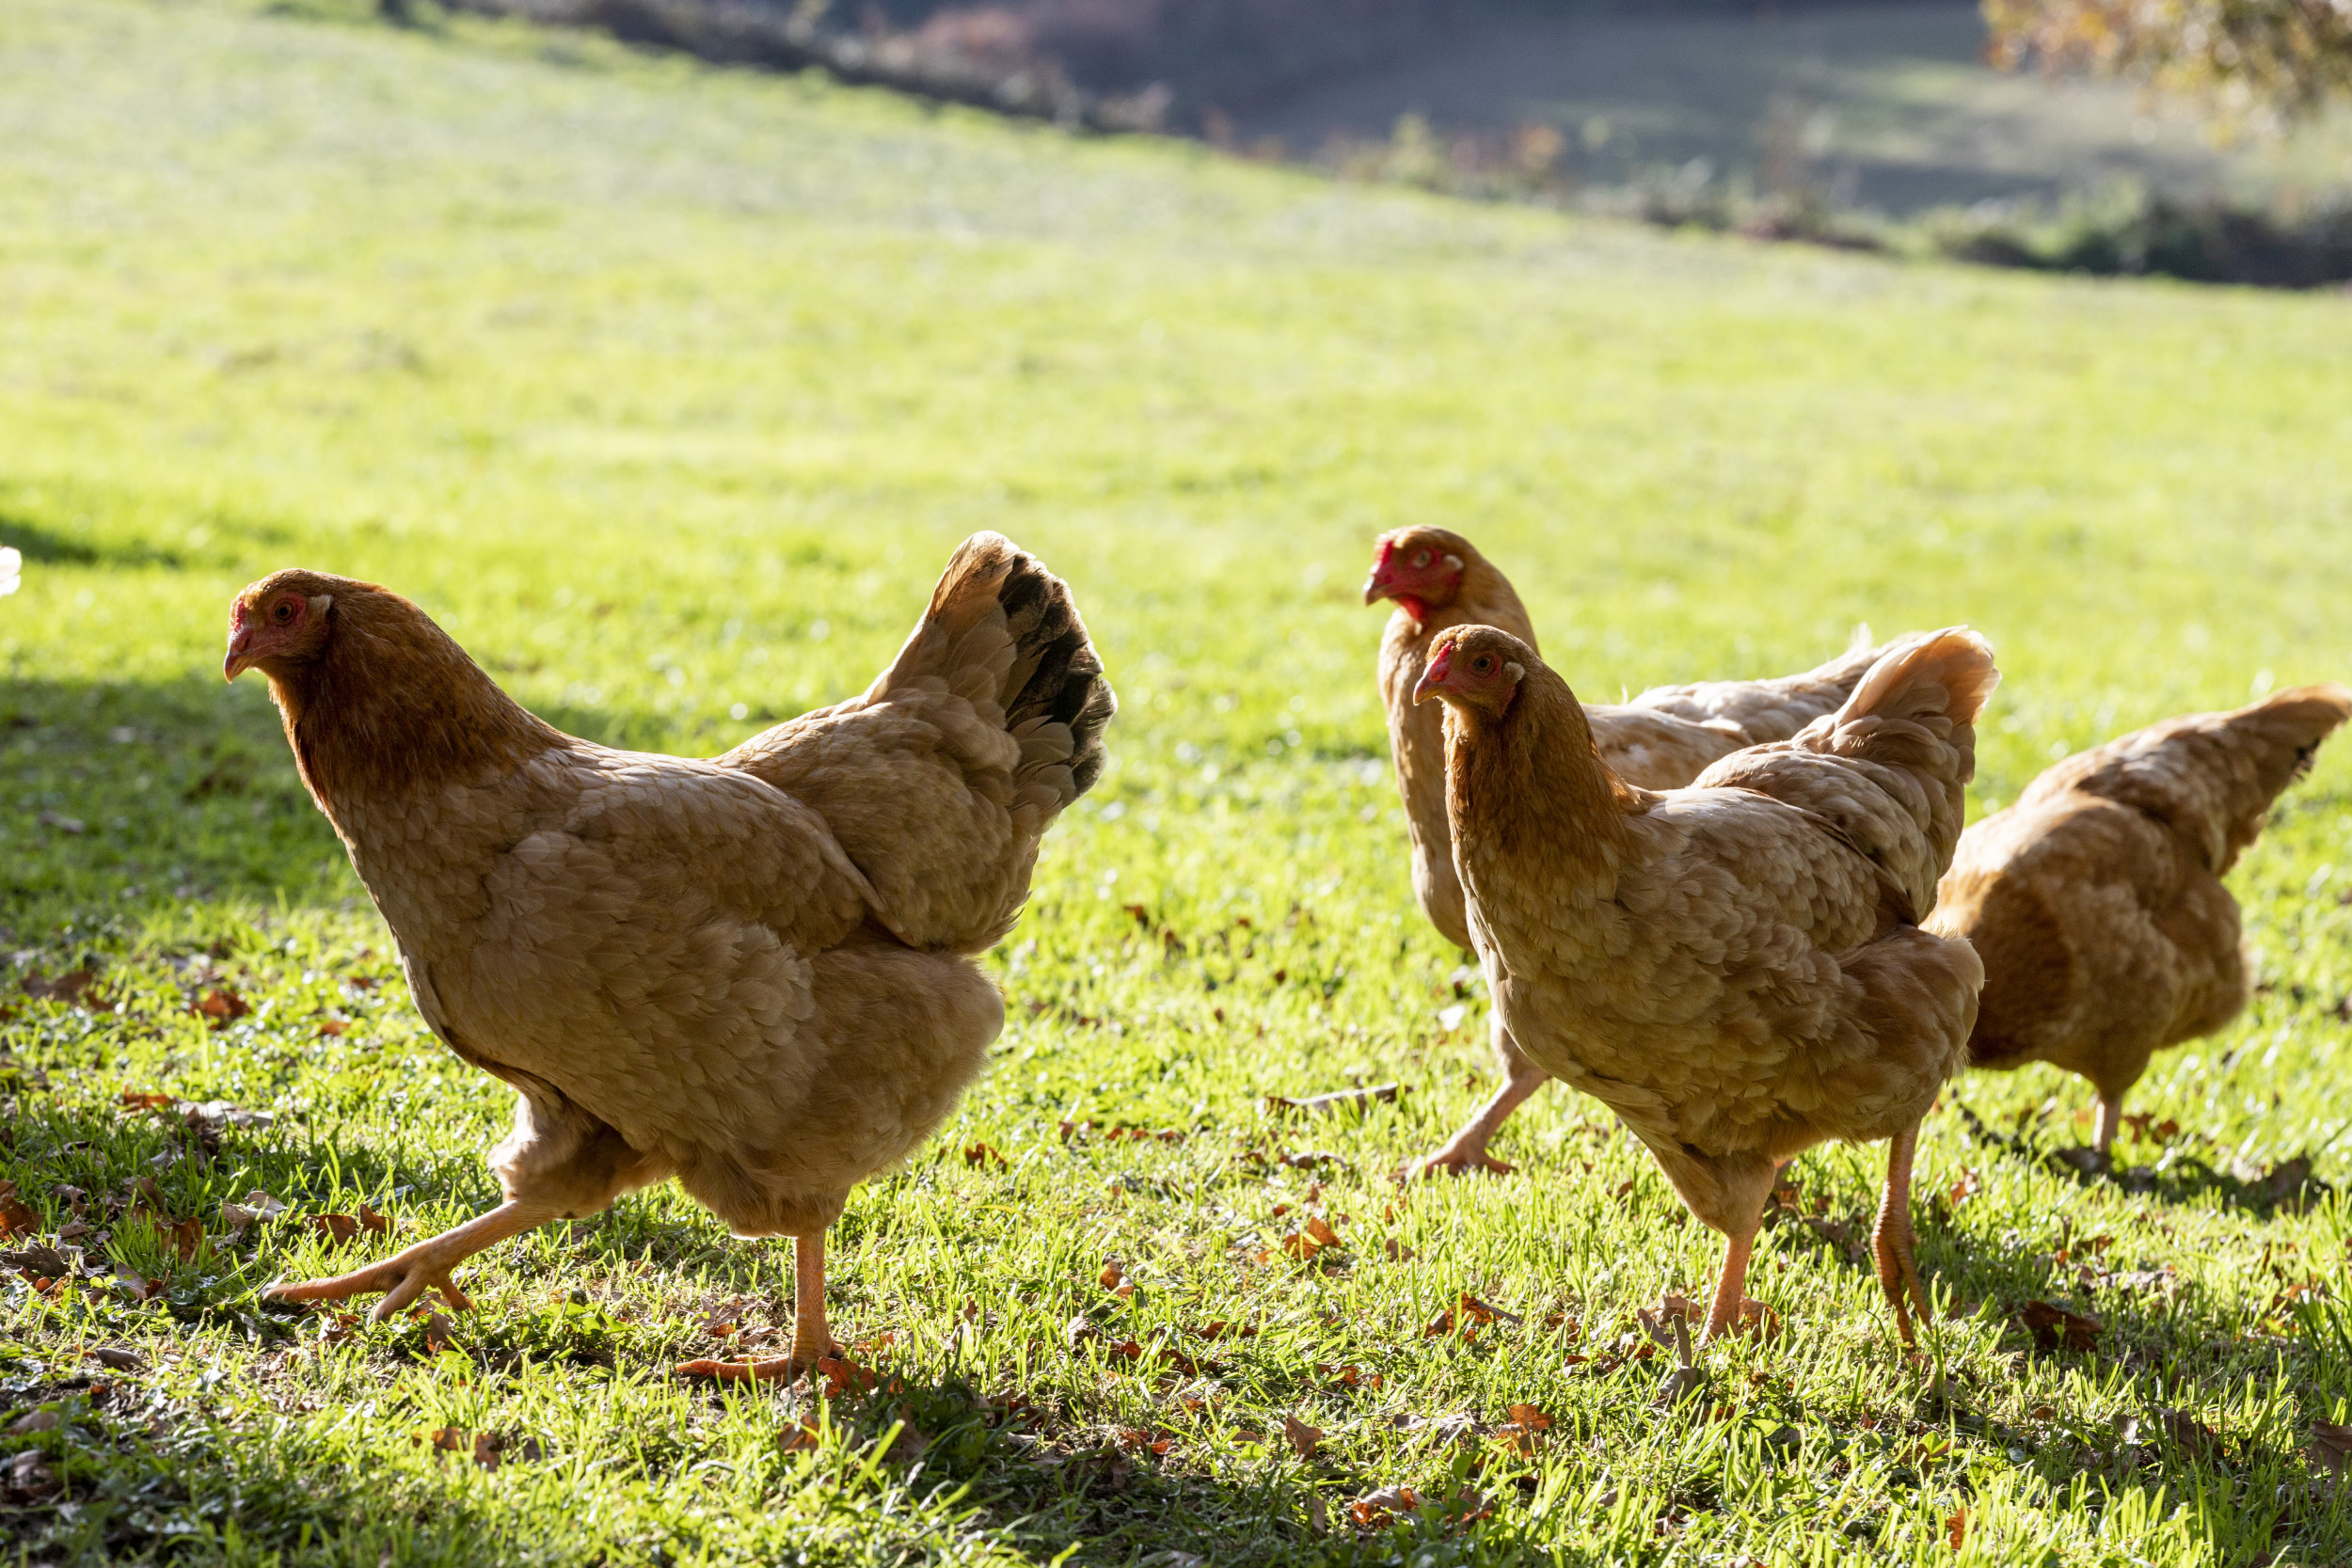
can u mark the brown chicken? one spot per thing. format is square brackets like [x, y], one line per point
[751, 974]
[1661, 740]
[1735, 969]
[2096, 900]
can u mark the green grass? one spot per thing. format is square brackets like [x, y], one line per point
[667, 391]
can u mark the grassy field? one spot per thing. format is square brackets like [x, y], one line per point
[667, 391]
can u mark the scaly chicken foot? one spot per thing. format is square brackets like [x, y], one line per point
[407, 1274]
[1891, 1239]
[1466, 1149]
[812, 1338]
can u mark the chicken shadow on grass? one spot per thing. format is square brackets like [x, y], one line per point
[2178, 1177]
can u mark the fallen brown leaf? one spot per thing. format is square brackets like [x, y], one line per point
[17, 1217]
[221, 1006]
[1956, 1530]
[338, 1229]
[840, 1374]
[1523, 1432]
[258, 1207]
[2331, 1447]
[1302, 1439]
[981, 1154]
[2051, 1326]
[67, 987]
[140, 1099]
[373, 1222]
[29, 1475]
[800, 1438]
[185, 1237]
[1376, 1511]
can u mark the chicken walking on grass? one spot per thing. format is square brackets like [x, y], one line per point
[1661, 740]
[2097, 901]
[1735, 969]
[753, 974]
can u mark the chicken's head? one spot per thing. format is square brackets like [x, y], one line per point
[278, 622]
[1420, 567]
[1476, 669]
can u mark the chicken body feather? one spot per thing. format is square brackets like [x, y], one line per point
[750, 972]
[2097, 902]
[1664, 738]
[1733, 968]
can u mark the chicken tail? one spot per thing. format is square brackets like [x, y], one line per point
[941, 780]
[1002, 632]
[2211, 777]
[1937, 681]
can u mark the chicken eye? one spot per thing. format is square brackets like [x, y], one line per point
[284, 612]
[1422, 559]
[1484, 664]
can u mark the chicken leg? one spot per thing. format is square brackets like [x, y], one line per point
[407, 1274]
[2111, 1121]
[1891, 1240]
[1731, 1287]
[1466, 1149]
[812, 1340]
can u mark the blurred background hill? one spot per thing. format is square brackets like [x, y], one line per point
[1868, 124]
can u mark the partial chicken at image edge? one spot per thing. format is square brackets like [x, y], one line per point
[1664, 738]
[1735, 969]
[755, 973]
[2097, 901]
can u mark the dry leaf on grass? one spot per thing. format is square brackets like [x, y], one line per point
[27, 1476]
[67, 987]
[2178, 1428]
[183, 1237]
[17, 1218]
[1524, 1429]
[800, 1438]
[1376, 1511]
[121, 1357]
[2052, 1325]
[1302, 1439]
[1956, 1530]
[219, 1007]
[338, 1229]
[2332, 1447]
[841, 1374]
[981, 1154]
[258, 1208]
[1465, 1316]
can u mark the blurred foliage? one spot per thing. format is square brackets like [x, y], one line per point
[2264, 61]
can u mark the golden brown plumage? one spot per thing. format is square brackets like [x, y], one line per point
[1661, 740]
[2097, 901]
[1734, 968]
[749, 972]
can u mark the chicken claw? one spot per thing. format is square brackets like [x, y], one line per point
[409, 1274]
[1451, 1161]
[813, 1344]
[1891, 1240]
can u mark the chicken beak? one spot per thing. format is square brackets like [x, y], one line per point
[240, 658]
[1376, 586]
[1433, 678]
